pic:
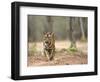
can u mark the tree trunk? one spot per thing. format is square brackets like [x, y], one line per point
[72, 38]
[83, 38]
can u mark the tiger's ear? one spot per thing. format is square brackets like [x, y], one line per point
[44, 33]
[49, 33]
[53, 35]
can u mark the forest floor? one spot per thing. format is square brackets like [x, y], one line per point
[62, 56]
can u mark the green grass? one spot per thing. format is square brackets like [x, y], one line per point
[70, 50]
[32, 50]
[73, 49]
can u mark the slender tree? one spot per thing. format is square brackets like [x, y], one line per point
[72, 38]
[83, 38]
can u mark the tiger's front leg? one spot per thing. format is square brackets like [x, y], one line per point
[52, 54]
[46, 53]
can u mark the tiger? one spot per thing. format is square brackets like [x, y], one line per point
[49, 45]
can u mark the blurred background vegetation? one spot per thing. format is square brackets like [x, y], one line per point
[65, 28]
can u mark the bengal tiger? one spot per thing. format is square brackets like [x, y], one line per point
[49, 45]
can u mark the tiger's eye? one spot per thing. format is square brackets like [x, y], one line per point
[49, 35]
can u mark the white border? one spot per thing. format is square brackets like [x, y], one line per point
[24, 70]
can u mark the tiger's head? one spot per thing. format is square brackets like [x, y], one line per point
[48, 39]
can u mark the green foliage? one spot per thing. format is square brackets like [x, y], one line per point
[72, 50]
[32, 49]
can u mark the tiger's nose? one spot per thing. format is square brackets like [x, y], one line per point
[46, 41]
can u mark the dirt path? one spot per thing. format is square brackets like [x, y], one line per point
[61, 58]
